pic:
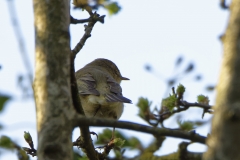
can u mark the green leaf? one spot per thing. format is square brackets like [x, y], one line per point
[22, 155]
[118, 142]
[6, 142]
[170, 102]
[189, 125]
[133, 143]
[3, 100]
[77, 156]
[118, 153]
[180, 89]
[144, 103]
[144, 107]
[203, 99]
[27, 136]
[186, 125]
[104, 137]
[113, 8]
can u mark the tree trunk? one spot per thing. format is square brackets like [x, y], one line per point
[224, 141]
[52, 79]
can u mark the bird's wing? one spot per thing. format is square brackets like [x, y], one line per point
[87, 85]
[115, 94]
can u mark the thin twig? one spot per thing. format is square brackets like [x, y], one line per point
[200, 105]
[30, 151]
[223, 4]
[186, 106]
[88, 29]
[77, 21]
[20, 40]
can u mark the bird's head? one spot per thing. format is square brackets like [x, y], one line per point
[110, 67]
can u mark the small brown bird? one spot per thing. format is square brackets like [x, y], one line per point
[99, 89]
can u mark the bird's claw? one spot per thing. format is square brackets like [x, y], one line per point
[93, 133]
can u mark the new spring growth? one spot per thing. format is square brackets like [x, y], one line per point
[180, 90]
[203, 99]
[144, 103]
[185, 125]
[6, 142]
[170, 102]
[144, 106]
[118, 142]
[27, 137]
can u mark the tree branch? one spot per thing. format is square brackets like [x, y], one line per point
[200, 105]
[84, 121]
[223, 4]
[76, 21]
[94, 17]
[186, 106]
[181, 154]
[52, 79]
[85, 138]
[224, 142]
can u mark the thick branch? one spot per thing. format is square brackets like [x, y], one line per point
[84, 121]
[52, 79]
[224, 142]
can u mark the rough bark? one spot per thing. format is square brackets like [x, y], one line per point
[224, 141]
[52, 79]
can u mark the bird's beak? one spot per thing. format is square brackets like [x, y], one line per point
[124, 78]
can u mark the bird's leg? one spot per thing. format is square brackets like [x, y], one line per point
[93, 133]
[113, 134]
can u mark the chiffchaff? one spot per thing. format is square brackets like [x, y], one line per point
[99, 89]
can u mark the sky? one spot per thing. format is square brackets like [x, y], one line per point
[155, 32]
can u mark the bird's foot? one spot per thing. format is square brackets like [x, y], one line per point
[93, 133]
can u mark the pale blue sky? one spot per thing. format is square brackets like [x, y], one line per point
[153, 32]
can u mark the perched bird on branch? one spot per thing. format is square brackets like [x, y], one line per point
[99, 89]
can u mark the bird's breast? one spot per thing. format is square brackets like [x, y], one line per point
[99, 100]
